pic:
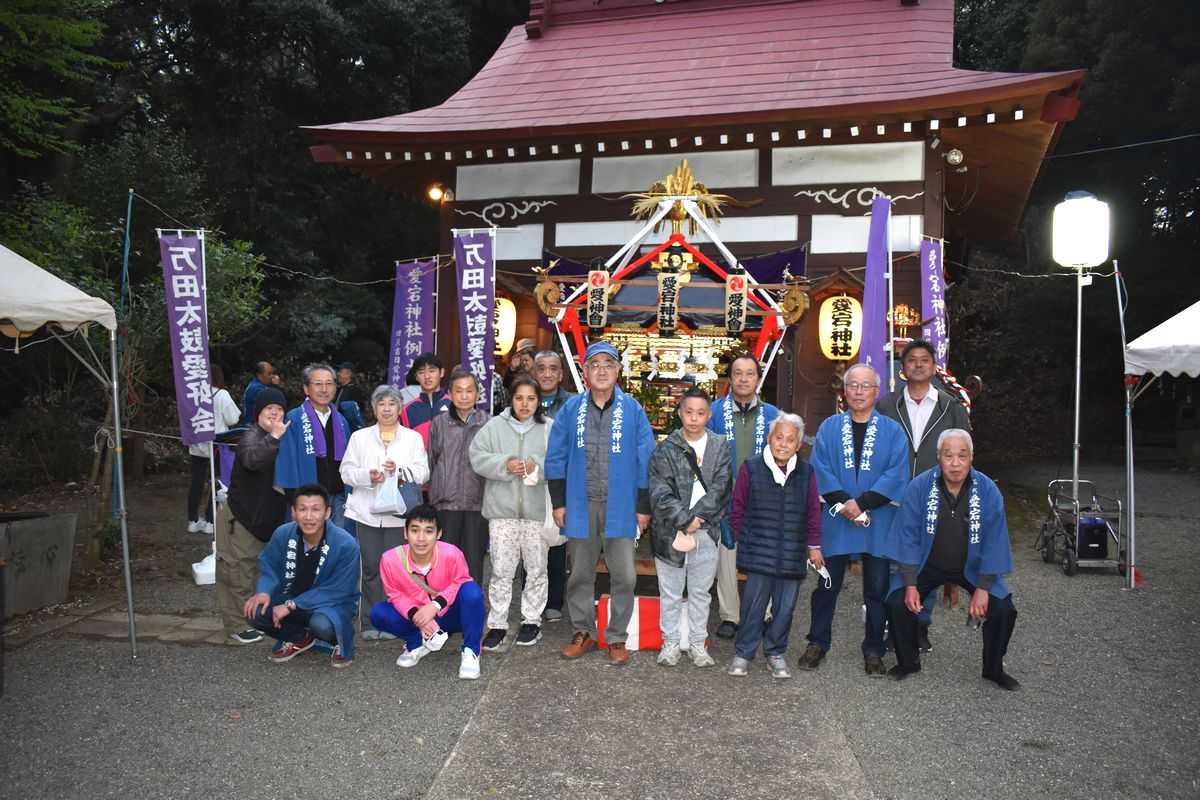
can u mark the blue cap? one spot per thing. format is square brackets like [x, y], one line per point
[601, 349]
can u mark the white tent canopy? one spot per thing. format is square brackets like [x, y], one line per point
[1172, 347]
[31, 297]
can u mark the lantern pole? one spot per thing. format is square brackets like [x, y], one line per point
[1079, 284]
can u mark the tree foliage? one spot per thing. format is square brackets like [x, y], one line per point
[45, 57]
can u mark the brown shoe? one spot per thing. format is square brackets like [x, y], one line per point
[580, 644]
[874, 666]
[618, 656]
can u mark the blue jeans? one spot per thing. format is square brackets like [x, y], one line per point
[781, 593]
[824, 602]
[465, 615]
[338, 517]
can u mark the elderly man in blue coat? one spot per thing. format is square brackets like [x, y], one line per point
[860, 458]
[308, 583]
[951, 529]
[598, 474]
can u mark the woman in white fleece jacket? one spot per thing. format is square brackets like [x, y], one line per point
[385, 451]
[510, 453]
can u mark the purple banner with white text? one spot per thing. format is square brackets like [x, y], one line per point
[474, 269]
[875, 321]
[933, 301]
[187, 323]
[412, 317]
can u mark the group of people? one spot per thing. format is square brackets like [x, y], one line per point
[405, 510]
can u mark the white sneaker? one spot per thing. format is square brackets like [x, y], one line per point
[778, 666]
[435, 642]
[409, 658]
[700, 656]
[207, 528]
[668, 656]
[468, 668]
[739, 667]
[195, 526]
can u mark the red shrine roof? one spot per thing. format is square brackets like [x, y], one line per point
[634, 64]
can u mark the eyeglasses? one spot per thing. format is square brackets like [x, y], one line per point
[861, 387]
[602, 366]
[322, 384]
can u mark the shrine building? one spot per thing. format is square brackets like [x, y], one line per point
[802, 111]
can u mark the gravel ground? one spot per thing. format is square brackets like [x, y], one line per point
[1106, 710]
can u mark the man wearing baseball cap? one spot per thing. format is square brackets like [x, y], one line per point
[597, 467]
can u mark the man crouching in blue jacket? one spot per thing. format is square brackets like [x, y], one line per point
[951, 529]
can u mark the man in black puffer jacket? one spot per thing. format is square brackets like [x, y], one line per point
[776, 519]
[256, 508]
[691, 475]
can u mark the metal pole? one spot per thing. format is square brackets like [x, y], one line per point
[1130, 500]
[1078, 385]
[119, 470]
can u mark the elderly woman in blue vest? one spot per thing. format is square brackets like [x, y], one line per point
[742, 417]
[308, 582]
[776, 519]
[861, 461]
[951, 529]
[597, 468]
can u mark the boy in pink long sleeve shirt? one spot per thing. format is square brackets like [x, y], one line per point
[430, 595]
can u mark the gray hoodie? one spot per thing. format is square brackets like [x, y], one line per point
[506, 496]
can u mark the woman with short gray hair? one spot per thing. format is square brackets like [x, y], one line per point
[386, 451]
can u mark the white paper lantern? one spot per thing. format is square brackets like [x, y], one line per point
[1081, 231]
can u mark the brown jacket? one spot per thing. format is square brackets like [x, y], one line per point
[453, 485]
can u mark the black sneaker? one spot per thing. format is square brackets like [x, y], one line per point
[923, 643]
[248, 636]
[529, 635]
[727, 629]
[494, 638]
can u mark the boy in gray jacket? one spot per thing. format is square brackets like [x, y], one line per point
[690, 484]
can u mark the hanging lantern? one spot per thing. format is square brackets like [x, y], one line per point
[840, 326]
[735, 303]
[597, 299]
[505, 320]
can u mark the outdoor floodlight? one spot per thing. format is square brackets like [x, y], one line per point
[1080, 231]
[438, 192]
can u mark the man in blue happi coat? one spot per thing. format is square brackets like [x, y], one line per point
[308, 583]
[951, 529]
[861, 461]
[312, 448]
[743, 418]
[598, 473]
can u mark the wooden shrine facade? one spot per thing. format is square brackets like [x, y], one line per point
[801, 110]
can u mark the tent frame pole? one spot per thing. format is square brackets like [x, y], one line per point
[119, 473]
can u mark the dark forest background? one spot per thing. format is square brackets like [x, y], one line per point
[196, 105]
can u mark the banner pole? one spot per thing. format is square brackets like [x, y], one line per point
[891, 314]
[124, 284]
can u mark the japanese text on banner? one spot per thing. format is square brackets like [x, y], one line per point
[187, 325]
[412, 317]
[474, 269]
[933, 301]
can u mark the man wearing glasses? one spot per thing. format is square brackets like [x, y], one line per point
[311, 450]
[861, 461]
[597, 468]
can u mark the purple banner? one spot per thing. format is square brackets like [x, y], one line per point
[875, 324]
[933, 301]
[187, 323]
[412, 317]
[476, 274]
